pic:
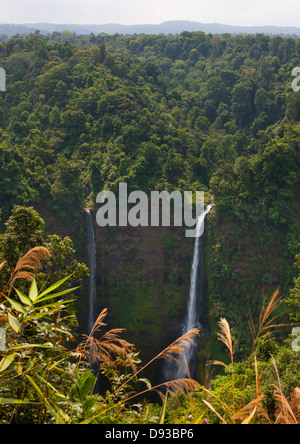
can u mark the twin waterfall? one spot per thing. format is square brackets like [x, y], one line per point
[187, 361]
[91, 249]
[186, 365]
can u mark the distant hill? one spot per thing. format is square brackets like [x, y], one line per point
[170, 27]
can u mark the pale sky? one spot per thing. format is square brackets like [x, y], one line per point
[129, 12]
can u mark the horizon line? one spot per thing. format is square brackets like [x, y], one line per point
[151, 24]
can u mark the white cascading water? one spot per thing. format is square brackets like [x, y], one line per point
[193, 316]
[91, 249]
[192, 319]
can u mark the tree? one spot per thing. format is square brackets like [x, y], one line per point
[174, 168]
[61, 262]
[243, 102]
[24, 231]
[67, 189]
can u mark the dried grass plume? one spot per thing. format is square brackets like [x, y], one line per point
[28, 264]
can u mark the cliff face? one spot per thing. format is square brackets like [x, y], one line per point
[246, 264]
[143, 279]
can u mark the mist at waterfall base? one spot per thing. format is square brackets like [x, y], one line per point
[186, 365]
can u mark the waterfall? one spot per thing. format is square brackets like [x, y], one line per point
[91, 249]
[193, 316]
[186, 366]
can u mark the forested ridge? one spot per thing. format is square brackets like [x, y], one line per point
[195, 111]
[157, 112]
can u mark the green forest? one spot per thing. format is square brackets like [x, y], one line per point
[194, 111]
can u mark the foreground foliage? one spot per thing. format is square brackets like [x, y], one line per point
[43, 381]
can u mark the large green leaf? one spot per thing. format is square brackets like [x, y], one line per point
[43, 314]
[14, 323]
[6, 361]
[54, 287]
[60, 303]
[85, 385]
[33, 291]
[16, 305]
[23, 298]
[56, 295]
[9, 401]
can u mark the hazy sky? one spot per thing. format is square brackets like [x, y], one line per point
[231, 12]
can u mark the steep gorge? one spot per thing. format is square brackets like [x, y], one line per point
[143, 278]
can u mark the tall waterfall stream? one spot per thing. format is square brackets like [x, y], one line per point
[186, 365]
